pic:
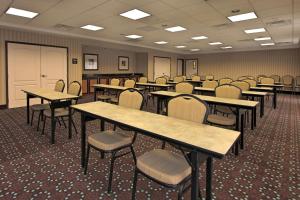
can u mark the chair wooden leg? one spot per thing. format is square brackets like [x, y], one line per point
[134, 184]
[87, 159]
[74, 126]
[163, 146]
[111, 171]
[39, 120]
[63, 121]
[180, 192]
[32, 118]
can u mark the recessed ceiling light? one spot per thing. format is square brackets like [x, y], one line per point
[92, 27]
[175, 29]
[262, 38]
[215, 43]
[194, 49]
[199, 37]
[135, 14]
[242, 17]
[133, 36]
[256, 30]
[267, 44]
[227, 47]
[21, 13]
[161, 42]
[180, 47]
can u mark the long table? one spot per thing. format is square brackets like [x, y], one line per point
[55, 99]
[154, 85]
[260, 95]
[212, 141]
[269, 88]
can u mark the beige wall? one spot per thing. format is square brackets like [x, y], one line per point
[281, 62]
[108, 59]
[74, 48]
[142, 63]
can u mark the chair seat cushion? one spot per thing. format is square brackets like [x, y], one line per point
[40, 107]
[224, 109]
[103, 97]
[164, 166]
[59, 112]
[109, 140]
[114, 100]
[221, 120]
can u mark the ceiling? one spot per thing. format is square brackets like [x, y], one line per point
[281, 19]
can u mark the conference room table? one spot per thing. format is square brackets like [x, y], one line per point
[100, 87]
[269, 88]
[56, 100]
[154, 85]
[212, 141]
[260, 95]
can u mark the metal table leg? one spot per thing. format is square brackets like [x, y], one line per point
[27, 107]
[83, 139]
[209, 165]
[262, 106]
[195, 175]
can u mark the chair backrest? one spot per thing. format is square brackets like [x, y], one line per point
[74, 89]
[59, 86]
[184, 87]
[275, 77]
[228, 91]
[143, 80]
[196, 78]
[184, 78]
[287, 80]
[251, 77]
[267, 80]
[178, 79]
[243, 85]
[129, 83]
[187, 107]
[161, 80]
[209, 77]
[210, 84]
[259, 77]
[297, 79]
[252, 82]
[131, 98]
[115, 82]
[223, 81]
[241, 78]
[166, 77]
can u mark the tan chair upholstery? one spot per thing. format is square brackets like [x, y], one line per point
[129, 83]
[164, 166]
[210, 84]
[143, 80]
[223, 81]
[184, 87]
[243, 85]
[112, 141]
[59, 86]
[251, 77]
[297, 82]
[288, 81]
[178, 79]
[221, 120]
[276, 78]
[267, 80]
[228, 91]
[196, 78]
[241, 78]
[161, 80]
[259, 77]
[209, 77]
[252, 82]
[115, 82]
[184, 78]
[166, 77]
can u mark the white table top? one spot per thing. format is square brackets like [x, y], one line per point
[204, 138]
[49, 94]
[270, 85]
[112, 87]
[243, 92]
[153, 84]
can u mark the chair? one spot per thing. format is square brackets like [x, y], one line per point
[113, 141]
[61, 113]
[241, 78]
[184, 87]
[210, 84]
[276, 78]
[297, 83]
[184, 78]
[252, 82]
[223, 81]
[251, 77]
[178, 79]
[109, 95]
[159, 80]
[129, 84]
[267, 80]
[143, 80]
[166, 77]
[288, 82]
[259, 77]
[59, 87]
[209, 77]
[243, 85]
[196, 78]
[172, 170]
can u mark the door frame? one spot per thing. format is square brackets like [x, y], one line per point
[182, 67]
[28, 43]
[154, 64]
[188, 60]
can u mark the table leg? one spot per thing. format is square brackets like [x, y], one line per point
[52, 125]
[274, 98]
[83, 139]
[102, 125]
[42, 112]
[209, 164]
[237, 123]
[70, 122]
[252, 118]
[195, 175]
[262, 106]
[242, 131]
[95, 94]
[27, 107]
[158, 105]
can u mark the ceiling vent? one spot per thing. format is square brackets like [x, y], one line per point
[63, 27]
[279, 23]
[222, 26]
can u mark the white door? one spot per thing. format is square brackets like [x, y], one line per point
[53, 66]
[191, 67]
[23, 72]
[179, 67]
[162, 66]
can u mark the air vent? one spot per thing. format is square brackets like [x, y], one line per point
[63, 27]
[279, 23]
[148, 28]
[222, 26]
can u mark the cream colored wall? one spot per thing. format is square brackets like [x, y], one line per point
[281, 62]
[74, 49]
[142, 63]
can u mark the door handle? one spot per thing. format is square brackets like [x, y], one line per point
[43, 76]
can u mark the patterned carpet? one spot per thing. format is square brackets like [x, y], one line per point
[31, 168]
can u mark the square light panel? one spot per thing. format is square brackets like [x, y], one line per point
[134, 36]
[199, 37]
[193, 50]
[175, 29]
[256, 30]
[242, 17]
[180, 47]
[267, 44]
[161, 42]
[21, 13]
[262, 38]
[135, 14]
[215, 43]
[92, 27]
[227, 47]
